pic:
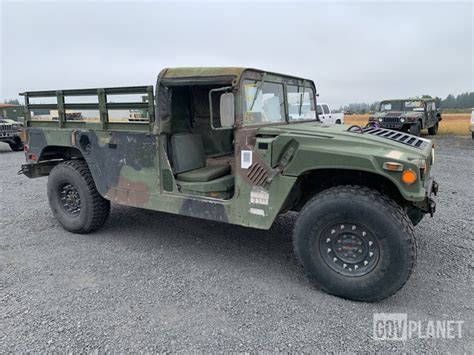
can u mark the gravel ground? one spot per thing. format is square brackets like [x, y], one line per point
[150, 281]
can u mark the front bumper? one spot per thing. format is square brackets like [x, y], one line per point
[431, 188]
[391, 125]
[8, 135]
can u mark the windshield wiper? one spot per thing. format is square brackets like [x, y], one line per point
[302, 97]
[259, 87]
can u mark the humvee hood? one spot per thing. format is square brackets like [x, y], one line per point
[348, 139]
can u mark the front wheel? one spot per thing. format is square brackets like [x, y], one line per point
[355, 243]
[74, 199]
[415, 129]
[433, 131]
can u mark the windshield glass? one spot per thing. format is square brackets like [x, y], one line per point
[300, 103]
[408, 105]
[263, 102]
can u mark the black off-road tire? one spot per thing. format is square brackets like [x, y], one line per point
[415, 129]
[338, 122]
[93, 209]
[433, 131]
[17, 145]
[415, 215]
[381, 218]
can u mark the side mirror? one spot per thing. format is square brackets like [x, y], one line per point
[227, 110]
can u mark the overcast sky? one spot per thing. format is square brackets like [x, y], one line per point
[354, 51]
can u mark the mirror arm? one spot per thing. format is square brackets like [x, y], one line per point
[226, 88]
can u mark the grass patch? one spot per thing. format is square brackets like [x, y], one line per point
[452, 123]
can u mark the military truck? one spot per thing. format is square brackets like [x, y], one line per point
[221, 145]
[407, 115]
[10, 133]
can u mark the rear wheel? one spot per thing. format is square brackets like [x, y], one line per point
[415, 129]
[74, 199]
[433, 131]
[355, 243]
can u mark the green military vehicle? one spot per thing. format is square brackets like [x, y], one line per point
[221, 145]
[10, 133]
[407, 115]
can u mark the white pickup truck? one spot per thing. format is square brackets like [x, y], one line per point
[325, 115]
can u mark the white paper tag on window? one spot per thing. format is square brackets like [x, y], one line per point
[246, 159]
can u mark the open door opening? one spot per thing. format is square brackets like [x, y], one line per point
[201, 156]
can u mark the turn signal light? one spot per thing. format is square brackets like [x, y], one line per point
[409, 177]
[392, 166]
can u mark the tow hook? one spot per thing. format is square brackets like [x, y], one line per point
[24, 169]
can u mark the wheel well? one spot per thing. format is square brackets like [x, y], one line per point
[316, 181]
[53, 152]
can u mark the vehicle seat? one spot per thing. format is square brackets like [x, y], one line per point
[189, 159]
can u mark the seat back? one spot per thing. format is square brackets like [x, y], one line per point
[187, 152]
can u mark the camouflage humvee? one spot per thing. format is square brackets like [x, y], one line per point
[10, 133]
[220, 144]
[407, 115]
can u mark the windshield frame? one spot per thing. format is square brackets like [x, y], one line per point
[401, 105]
[277, 79]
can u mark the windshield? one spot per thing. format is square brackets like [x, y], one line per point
[264, 102]
[300, 103]
[408, 105]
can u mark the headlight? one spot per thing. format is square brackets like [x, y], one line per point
[380, 119]
[402, 120]
[14, 126]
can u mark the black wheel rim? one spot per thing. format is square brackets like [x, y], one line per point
[70, 199]
[350, 249]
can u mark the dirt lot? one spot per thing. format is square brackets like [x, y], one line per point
[156, 282]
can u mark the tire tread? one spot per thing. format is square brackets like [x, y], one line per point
[100, 206]
[390, 208]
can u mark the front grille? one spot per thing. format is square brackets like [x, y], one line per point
[391, 119]
[6, 127]
[401, 137]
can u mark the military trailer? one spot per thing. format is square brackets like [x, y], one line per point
[221, 145]
[407, 115]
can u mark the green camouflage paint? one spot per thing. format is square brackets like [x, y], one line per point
[130, 164]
